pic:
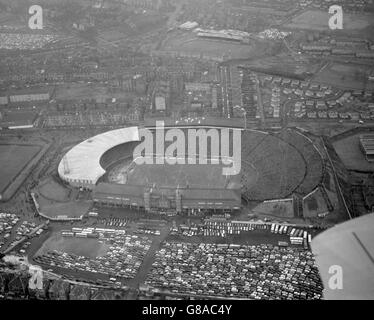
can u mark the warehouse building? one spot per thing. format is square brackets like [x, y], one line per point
[29, 97]
[367, 146]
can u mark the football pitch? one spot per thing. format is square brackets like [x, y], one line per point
[182, 175]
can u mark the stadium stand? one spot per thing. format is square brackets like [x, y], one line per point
[81, 165]
[120, 152]
[311, 156]
[273, 159]
[274, 165]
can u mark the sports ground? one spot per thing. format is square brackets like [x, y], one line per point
[182, 175]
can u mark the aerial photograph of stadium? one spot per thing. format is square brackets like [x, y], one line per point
[216, 150]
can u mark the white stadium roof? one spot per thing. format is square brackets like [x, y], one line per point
[82, 162]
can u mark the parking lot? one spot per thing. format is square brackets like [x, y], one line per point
[240, 271]
[7, 224]
[121, 260]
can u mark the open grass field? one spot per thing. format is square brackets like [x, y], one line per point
[284, 63]
[50, 189]
[281, 209]
[318, 20]
[86, 91]
[193, 45]
[90, 248]
[345, 76]
[192, 175]
[71, 209]
[112, 35]
[80, 91]
[13, 159]
[350, 153]
[314, 205]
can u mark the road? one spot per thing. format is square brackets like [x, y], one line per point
[224, 77]
[172, 22]
[259, 100]
[149, 259]
[24, 238]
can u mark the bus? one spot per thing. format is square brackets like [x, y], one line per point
[309, 238]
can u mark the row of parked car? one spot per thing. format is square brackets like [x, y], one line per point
[7, 223]
[224, 228]
[240, 271]
[122, 258]
[114, 222]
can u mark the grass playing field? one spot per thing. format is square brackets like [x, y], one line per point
[80, 91]
[345, 76]
[193, 45]
[192, 175]
[13, 158]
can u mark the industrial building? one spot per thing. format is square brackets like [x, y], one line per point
[29, 97]
[189, 25]
[161, 96]
[367, 146]
[229, 35]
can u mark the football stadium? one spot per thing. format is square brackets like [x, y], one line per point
[275, 166]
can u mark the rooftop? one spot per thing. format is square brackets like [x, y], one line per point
[82, 162]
